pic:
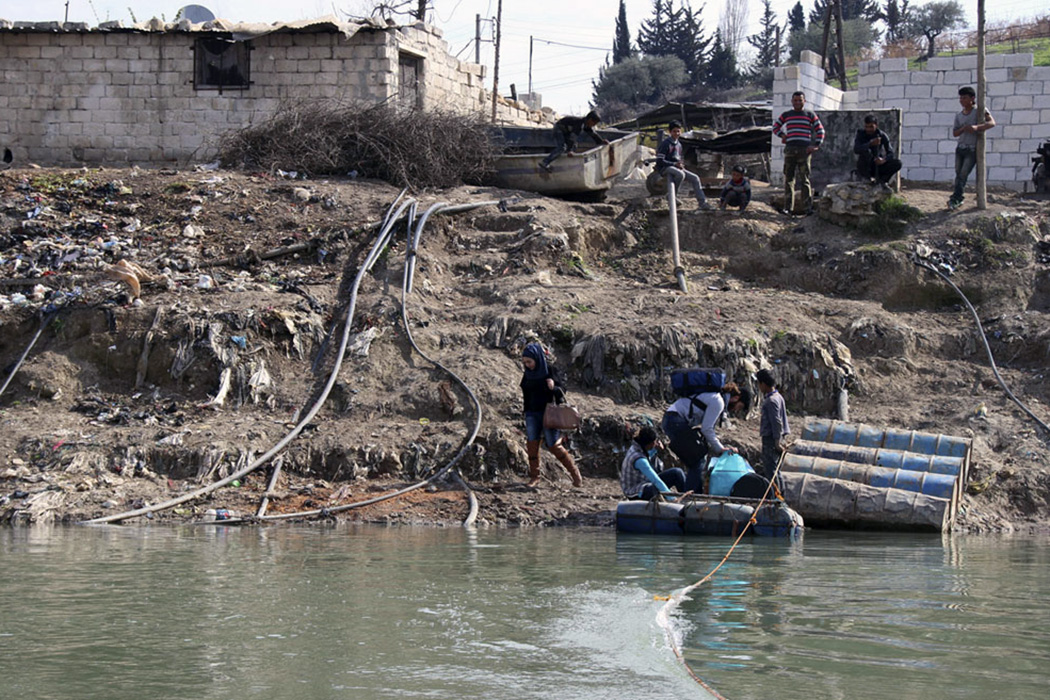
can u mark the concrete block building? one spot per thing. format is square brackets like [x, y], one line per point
[156, 93]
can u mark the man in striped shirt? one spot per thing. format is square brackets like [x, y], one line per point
[801, 133]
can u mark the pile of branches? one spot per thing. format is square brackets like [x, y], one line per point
[406, 148]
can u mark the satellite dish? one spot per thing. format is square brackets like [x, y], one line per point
[196, 13]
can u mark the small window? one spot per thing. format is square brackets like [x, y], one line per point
[221, 64]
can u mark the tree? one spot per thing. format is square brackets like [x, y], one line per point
[895, 15]
[767, 52]
[721, 68]
[622, 43]
[676, 32]
[765, 42]
[933, 19]
[639, 81]
[857, 35]
[733, 23]
[851, 9]
[797, 18]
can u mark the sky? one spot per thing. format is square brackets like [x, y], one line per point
[562, 74]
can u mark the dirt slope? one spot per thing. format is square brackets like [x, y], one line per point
[249, 275]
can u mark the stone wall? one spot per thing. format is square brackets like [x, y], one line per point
[120, 96]
[1018, 96]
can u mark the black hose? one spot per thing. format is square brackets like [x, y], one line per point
[984, 340]
[43, 324]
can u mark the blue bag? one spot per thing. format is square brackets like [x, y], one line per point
[697, 380]
[725, 471]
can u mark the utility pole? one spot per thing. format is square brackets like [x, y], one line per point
[421, 10]
[982, 185]
[827, 31]
[530, 67]
[776, 56]
[477, 38]
[838, 40]
[495, 62]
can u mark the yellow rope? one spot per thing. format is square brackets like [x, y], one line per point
[672, 600]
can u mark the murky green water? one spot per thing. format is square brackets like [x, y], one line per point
[372, 612]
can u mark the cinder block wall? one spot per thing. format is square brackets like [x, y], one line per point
[92, 97]
[808, 77]
[1018, 96]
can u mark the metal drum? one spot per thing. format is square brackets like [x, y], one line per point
[649, 517]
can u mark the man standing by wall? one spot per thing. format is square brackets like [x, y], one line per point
[966, 128]
[802, 134]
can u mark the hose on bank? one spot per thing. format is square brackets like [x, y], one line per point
[382, 239]
[984, 341]
[406, 285]
[407, 277]
[43, 324]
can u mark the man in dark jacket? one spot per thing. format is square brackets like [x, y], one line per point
[875, 157]
[567, 131]
[671, 164]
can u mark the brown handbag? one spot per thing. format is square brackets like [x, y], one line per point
[561, 417]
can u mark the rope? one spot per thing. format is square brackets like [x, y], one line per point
[674, 599]
[984, 340]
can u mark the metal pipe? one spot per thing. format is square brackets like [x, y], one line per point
[676, 255]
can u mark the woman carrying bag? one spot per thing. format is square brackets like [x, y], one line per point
[539, 386]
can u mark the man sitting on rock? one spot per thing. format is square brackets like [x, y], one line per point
[875, 158]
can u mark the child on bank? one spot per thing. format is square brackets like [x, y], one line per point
[737, 191]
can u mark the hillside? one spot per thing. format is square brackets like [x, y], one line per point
[250, 274]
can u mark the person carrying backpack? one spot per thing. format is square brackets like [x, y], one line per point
[540, 386]
[689, 424]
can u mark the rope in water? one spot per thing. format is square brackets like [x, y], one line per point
[663, 617]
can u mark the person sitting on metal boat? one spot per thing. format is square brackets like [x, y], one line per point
[642, 475]
[689, 424]
[567, 131]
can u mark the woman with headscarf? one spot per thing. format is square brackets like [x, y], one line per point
[539, 385]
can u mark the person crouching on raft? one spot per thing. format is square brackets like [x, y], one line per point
[539, 385]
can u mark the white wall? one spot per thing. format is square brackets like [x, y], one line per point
[1018, 96]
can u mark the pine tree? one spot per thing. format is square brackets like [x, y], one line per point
[765, 42]
[797, 18]
[895, 15]
[721, 70]
[676, 32]
[851, 9]
[622, 42]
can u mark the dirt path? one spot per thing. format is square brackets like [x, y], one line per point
[247, 275]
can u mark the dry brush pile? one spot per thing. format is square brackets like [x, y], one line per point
[406, 148]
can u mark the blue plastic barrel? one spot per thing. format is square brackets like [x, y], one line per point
[926, 483]
[827, 430]
[892, 459]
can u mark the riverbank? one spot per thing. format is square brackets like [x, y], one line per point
[127, 401]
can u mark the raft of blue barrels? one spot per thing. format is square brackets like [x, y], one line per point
[847, 475]
[708, 515]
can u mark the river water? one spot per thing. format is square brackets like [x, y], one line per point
[376, 612]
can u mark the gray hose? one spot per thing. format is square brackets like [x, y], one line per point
[43, 324]
[984, 340]
[377, 248]
[410, 260]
